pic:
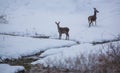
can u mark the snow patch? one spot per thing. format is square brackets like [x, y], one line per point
[5, 68]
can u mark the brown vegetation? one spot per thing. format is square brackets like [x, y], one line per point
[104, 62]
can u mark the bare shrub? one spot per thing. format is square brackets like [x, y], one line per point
[108, 62]
[102, 62]
[3, 19]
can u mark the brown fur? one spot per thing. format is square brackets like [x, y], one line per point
[93, 18]
[62, 30]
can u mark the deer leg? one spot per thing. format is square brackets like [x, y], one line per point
[60, 36]
[90, 23]
[67, 36]
[95, 22]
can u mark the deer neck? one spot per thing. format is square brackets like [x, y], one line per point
[95, 13]
[58, 26]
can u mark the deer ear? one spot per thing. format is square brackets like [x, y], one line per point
[55, 22]
[59, 22]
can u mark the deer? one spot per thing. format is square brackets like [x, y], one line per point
[62, 30]
[93, 18]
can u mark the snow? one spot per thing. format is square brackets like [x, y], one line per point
[5, 68]
[65, 53]
[39, 16]
[58, 56]
[15, 47]
[36, 16]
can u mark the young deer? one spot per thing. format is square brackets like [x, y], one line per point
[62, 30]
[93, 17]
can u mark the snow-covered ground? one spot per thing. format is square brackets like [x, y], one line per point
[39, 16]
[5, 68]
[15, 47]
[59, 56]
[56, 55]
[36, 16]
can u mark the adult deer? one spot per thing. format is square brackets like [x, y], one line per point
[62, 30]
[93, 17]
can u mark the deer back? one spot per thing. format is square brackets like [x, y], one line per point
[64, 30]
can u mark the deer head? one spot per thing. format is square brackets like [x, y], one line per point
[96, 10]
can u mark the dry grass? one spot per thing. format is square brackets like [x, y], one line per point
[104, 62]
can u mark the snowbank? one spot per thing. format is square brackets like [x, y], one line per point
[64, 53]
[15, 47]
[5, 68]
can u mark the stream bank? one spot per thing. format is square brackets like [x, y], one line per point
[26, 60]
